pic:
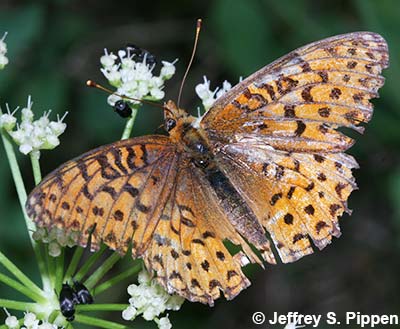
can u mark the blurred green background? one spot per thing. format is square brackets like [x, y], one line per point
[55, 46]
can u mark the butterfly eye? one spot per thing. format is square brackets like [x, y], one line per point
[170, 124]
[123, 109]
[201, 148]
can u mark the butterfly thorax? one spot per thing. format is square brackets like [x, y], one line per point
[189, 139]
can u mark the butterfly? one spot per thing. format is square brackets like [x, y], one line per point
[265, 168]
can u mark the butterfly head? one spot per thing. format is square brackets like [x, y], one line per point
[174, 117]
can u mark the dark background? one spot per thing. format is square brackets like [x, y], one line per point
[55, 46]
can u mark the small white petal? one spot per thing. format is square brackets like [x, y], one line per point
[108, 60]
[150, 313]
[25, 148]
[30, 319]
[157, 93]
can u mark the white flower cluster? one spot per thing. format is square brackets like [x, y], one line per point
[3, 51]
[150, 300]
[30, 322]
[134, 79]
[207, 96]
[30, 135]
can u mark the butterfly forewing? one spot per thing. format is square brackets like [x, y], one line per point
[275, 137]
[296, 102]
[104, 192]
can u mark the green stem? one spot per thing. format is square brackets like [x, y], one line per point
[37, 173]
[51, 267]
[22, 289]
[20, 306]
[74, 263]
[19, 183]
[96, 322]
[19, 274]
[101, 307]
[89, 263]
[129, 124]
[21, 191]
[102, 270]
[110, 283]
[59, 269]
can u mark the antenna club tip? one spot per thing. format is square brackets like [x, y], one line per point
[199, 21]
[90, 83]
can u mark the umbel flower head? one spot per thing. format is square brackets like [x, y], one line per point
[134, 76]
[33, 135]
[150, 300]
[3, 51]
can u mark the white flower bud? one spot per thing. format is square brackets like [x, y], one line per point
[3, 51]
[133, 289]
[129, 313]
[168, 70]
[157, 93]
[12, 322]
[27, 115]
[3, 47]
[3, 61]
[174, 302]
[150, 313]
[30, 320]
[57, 127]
[50, 142]
[164, 323]
[108, 60]
[7, 121]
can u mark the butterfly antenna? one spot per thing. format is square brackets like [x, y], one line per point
[198, 27]
[91, 83]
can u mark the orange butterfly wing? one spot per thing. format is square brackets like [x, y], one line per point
[110, 192]
[275, 137]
